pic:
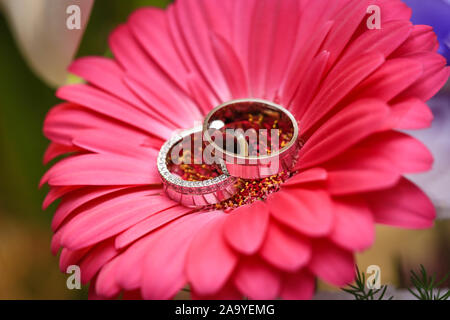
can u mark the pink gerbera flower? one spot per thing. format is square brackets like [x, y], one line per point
[350, 88]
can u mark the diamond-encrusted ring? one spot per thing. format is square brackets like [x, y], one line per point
[258, 138]
[193, 193]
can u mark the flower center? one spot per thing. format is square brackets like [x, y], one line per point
[186, 158]
[250, 191]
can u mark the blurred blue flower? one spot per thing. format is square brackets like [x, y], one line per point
[435, 13]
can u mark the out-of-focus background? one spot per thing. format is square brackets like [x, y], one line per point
[27, 268]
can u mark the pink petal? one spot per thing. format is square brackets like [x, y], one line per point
[310, 84]
[56, 193]
[340, 82]
[131, 259]
[260, 42]
[310, 175]
[92, 295]
[352, 215]
[242, 12]
[394, 10]
[112, 217]
[384, 40]
[130, 55]
[228, 292]
[390, 79]
[105, 285]
[107, 105]
[411, 114]
[245, 227]
[210, 260]
[102, 170]
[76, 199]
[199, 93]
[96, 259]
[194, 30]
[151, 29]
[407, 154]
[344, 182]
[55, 150]
[218, 16]
[377, 163]
[298, 286]
[332, 264]
[100, 141]
[271, 44]
[164, 265]
[347, 20]
[308, 211]
[285, 25]
[55, 244]
[365, 167]
[284, 249]
[106, 74]
[256, 280]
[404, 205]
[71, 257]
[343, 130]
[64, 121]
[150, 224]
[231, 67]
[164, 102]
[434, 77]
[421, 39]
[299, 65]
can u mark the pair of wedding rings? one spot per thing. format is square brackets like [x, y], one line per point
[246, 139]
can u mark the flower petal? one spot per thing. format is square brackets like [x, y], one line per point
[310, 175]
[150, 224]
[346, 128]
[284, 249]
[109, 106]
[210, 261]
[298, 286]
[95, 259]
[411, 114]
[164, 270]
[404, 205]
[102, 170]
[112, 217]
[340, 82]
[257, 280]
[353, 214]
[308, 211]
[245, 228]
[74, 200]
[332, 264]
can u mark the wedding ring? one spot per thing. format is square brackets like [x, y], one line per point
[254, 138]
[189, 183]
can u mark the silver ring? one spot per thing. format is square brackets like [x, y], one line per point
[250, 166]
[193, 193]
